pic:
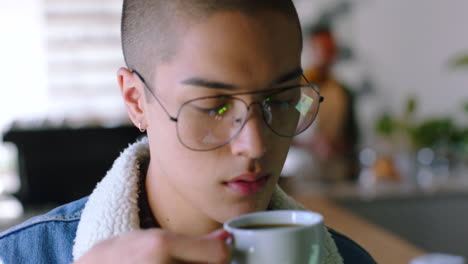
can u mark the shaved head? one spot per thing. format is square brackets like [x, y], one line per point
[152, 29]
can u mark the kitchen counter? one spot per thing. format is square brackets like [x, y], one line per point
[383, 245]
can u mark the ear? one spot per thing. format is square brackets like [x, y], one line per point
[133, 94]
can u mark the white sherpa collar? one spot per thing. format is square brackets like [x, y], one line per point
[112, 208]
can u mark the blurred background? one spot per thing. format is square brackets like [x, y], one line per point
[390, 144]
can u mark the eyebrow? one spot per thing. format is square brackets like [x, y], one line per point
[198, 81]
[296, 73]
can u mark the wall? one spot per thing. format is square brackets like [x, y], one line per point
[407, 45]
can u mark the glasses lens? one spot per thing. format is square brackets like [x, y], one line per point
[208, 123]
[291, 111]
[205, 124]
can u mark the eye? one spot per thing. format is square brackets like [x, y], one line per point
[281, 100]
[223, 109]
[273, 100]
[219, 109]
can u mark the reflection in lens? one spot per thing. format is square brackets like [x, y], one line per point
[292, 111]
[304, 104]
[307, 107]
[210, 139]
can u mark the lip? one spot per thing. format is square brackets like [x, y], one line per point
[248, 183]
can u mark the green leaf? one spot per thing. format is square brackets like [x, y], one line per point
[461, 61]
[428, 133]
[385, 125]
[411, 105]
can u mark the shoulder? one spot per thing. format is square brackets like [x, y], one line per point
[46, 238]
[70, 212]
[350, 251]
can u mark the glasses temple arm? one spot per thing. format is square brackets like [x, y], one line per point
[155, 97]
[321, 98]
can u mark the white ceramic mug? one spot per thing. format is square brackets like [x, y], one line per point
[298, 241]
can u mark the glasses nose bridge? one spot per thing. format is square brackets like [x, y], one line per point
[249, 107]
[260, 116]
[252, 103]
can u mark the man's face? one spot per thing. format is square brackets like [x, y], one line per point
[248, 53]
[323, 50]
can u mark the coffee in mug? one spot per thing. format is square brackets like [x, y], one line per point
[268, 226]
[277, 237]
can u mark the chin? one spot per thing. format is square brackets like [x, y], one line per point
[241, 209]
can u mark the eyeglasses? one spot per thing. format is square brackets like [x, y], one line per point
[210, 122]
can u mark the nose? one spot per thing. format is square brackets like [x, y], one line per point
[250, 142]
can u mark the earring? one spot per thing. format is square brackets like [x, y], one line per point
[142, 130]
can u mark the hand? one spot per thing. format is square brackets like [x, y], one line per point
[158, 246]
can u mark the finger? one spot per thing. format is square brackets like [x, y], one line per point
[199, 249]
[219, 234]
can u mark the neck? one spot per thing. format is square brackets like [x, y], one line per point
[319, 75]
[171, 211]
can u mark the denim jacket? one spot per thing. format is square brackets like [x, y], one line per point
[69, 231]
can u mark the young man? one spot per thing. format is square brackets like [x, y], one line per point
[334, 140]
[217, 86]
